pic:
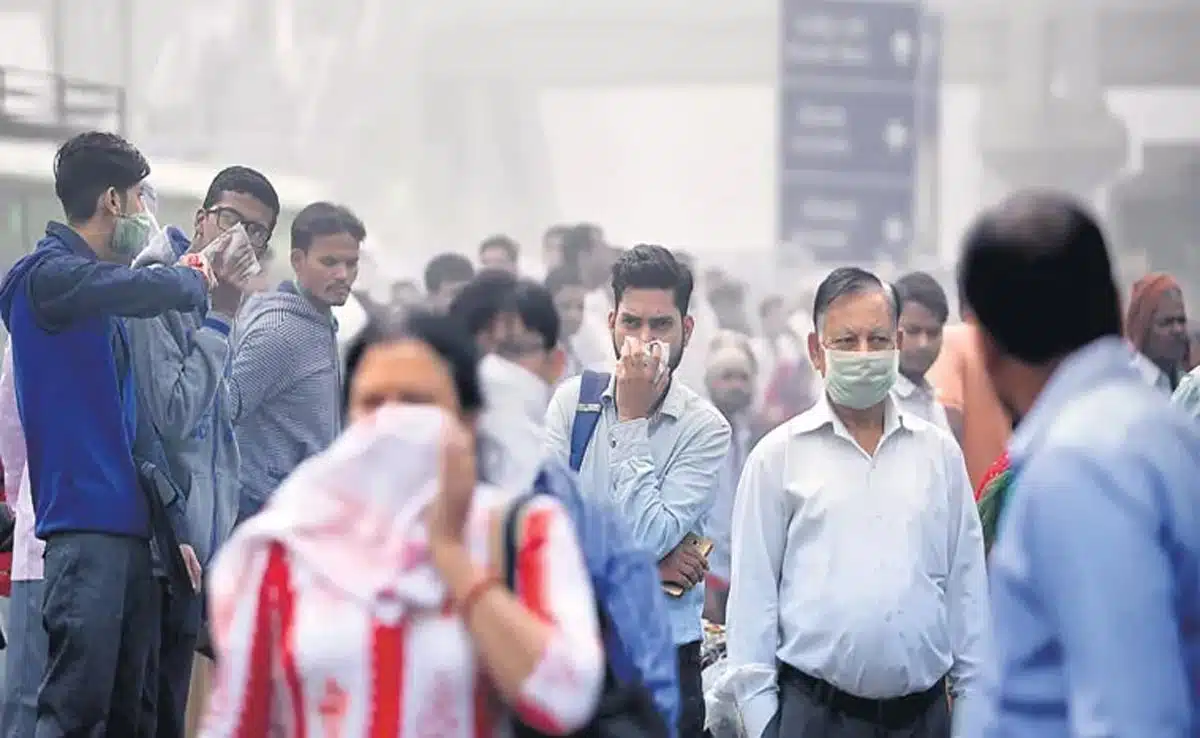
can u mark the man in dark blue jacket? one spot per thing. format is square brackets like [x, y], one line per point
[61, 305]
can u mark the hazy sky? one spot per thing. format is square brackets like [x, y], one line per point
[696, 166]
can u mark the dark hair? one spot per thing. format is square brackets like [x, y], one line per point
[246, 181]
[769, 303]
[557, 230]
[1035, 272]
[561, 278]
[325, 219]
[445, 268]
[511, 249]
[924, 290]
[845, 281]
[440, 333]
[652, 267]
[495, 292]
[90, 163]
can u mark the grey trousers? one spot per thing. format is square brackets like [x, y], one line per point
[25, 659]
[809, 708]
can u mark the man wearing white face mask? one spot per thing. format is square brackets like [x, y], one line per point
[859, 584]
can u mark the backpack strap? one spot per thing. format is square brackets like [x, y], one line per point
[511, 534]
[587, 414]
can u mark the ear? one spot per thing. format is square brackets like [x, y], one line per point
[815, 353]
[111, 201]
[297, 258]
[899, 340]
[689, 325]
[612, 320]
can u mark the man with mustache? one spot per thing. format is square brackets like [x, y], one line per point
[285, 383]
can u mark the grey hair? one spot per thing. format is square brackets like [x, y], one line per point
[726, 338]
[845, 281]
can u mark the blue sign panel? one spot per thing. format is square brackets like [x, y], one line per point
[844, 222]
[852, 132]
[877, 40]
[849, 101]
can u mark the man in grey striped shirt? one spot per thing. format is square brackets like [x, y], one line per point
[286, 380]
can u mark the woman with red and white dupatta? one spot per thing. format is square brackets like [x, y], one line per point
[367, 599]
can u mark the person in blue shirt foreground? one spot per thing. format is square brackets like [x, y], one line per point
[1096, 566]
[61, 306]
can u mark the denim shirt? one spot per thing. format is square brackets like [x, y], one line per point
[1095, 574]
[659, 474]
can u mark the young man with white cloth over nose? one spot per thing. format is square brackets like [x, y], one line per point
[516, 328]
[859, 586]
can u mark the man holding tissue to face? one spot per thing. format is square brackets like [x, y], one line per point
[181, 360]
[859, 586]
[650, 446]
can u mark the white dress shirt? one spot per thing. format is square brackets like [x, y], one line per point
[920, 400]
[864, 571]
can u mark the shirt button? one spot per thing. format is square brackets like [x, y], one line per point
[612, 442]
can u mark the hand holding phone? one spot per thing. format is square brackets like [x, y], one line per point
[686, 565]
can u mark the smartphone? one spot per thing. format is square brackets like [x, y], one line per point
[703, 546]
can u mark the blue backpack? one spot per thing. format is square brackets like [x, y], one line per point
[587, 414]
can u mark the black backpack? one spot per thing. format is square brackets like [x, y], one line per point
[624, 710]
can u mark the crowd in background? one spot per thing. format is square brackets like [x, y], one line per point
[614, 498]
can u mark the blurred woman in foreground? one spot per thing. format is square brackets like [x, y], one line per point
[367, 598]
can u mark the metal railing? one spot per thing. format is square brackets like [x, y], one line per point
[43, 105]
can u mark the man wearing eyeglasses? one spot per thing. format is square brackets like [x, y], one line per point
[181, 363]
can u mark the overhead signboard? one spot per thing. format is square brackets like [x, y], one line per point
[849, 102]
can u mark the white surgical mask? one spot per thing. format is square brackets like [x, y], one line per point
[860, 379]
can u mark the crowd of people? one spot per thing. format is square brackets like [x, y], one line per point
[602, 502]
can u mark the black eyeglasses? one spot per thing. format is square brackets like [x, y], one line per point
[228, 218]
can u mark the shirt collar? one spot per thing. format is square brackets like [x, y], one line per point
[906, 388]
[673, 403]
[821, 415]
[1102, 360]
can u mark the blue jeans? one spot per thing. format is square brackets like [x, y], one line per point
[26, 660]
[102, 616]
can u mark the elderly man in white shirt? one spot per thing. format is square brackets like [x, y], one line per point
[858, 571]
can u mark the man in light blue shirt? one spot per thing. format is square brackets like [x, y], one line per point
[1096, 566]
[657, 448]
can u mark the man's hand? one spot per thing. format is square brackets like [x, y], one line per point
[638, 382]
[195, 573]
[226, 299]
[683, 566]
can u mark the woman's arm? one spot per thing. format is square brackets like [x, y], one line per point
[542, 646]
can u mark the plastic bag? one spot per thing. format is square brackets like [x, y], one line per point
[158, 246]
[723, 715]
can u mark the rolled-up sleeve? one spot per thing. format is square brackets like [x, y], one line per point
[561, 694]
[760, 521]
[662, 507]
[968, 609]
